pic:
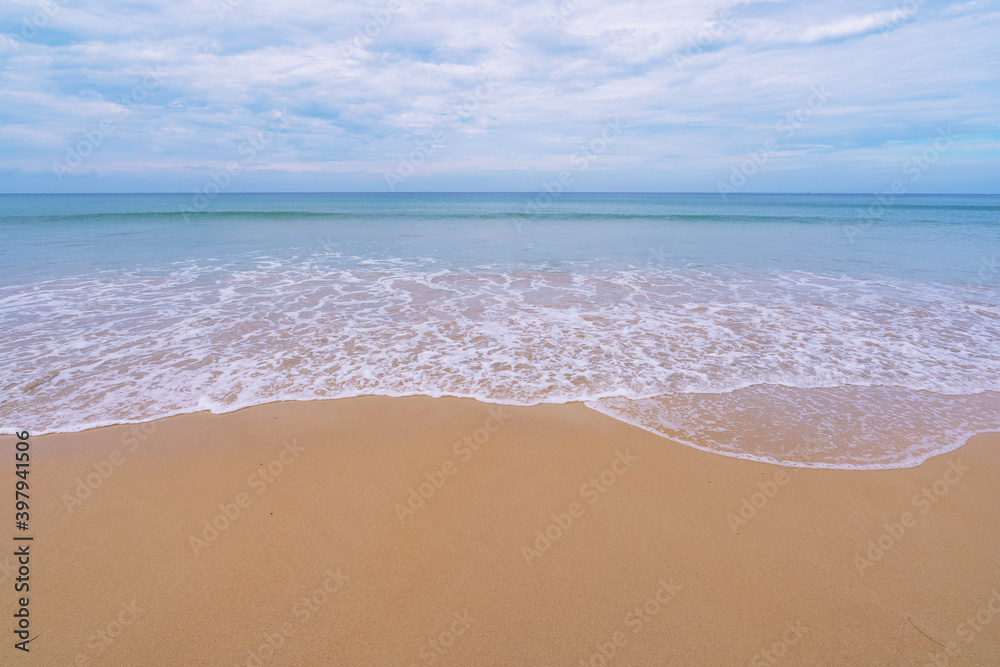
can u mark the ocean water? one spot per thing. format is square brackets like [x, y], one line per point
[808, 330]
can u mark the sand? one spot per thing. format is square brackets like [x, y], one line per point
[417, 531]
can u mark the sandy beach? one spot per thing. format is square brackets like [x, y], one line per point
[418, 531]
[562, 334]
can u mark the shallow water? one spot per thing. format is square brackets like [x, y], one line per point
[789, 328]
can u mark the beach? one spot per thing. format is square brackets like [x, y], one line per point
[447, 531]
[766, 327]
[447, 429]
[527, 335]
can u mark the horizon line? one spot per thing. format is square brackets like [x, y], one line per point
[516, 192]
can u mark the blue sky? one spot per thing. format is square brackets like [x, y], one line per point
[431, 95]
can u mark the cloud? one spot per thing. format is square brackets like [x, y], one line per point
[850, 26]
[364, 84]
[966, 7]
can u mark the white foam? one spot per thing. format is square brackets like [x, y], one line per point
[121, 348]
[855, 428]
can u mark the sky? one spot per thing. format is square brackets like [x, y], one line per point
[439, 95]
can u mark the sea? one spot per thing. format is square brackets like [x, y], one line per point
[824, 331]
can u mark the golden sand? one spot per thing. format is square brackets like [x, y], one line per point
[418, 531]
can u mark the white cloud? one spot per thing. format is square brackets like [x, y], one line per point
[966, 7]
[778, 33]
[707, 82]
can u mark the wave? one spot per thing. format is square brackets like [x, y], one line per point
[637, 344]
[409, 216]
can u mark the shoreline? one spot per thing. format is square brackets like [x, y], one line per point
[448, 531]
[912, 461]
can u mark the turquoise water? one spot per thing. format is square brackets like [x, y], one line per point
[850, 318]
[918, 237]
